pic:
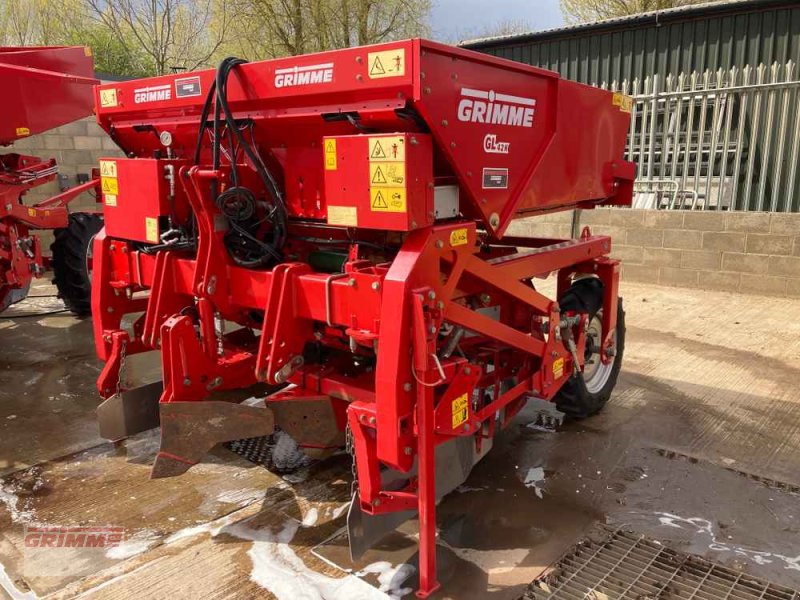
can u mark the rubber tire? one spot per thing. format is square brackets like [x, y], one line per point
[586, 295]
[70, 250]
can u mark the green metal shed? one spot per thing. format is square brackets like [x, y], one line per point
[693, 38]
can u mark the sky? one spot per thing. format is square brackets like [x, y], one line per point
[452, 20]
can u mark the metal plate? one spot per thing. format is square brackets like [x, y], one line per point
[454, 462]
[130, 412]
[628, 565]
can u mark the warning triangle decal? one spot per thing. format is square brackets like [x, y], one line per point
[378, 177]
[377, 67]
[377, 151]
[330, 147]
[379, 201]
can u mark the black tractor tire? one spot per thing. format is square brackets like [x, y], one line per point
[71, 250]
[575, 399]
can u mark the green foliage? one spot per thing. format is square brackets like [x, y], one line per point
[150, 37]
[582, 11]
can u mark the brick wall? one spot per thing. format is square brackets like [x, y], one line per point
[77, 148]
[738, 252]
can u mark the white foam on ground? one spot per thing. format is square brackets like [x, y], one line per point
[704, 527]
[139, 542]
[280, 571]
[11, 501]
[390, 578]
[310, 518]
[534, 478]
[11, 589]
[337, 512]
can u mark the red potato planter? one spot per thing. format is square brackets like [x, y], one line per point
[348, 211]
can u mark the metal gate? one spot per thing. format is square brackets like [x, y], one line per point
[724, 140]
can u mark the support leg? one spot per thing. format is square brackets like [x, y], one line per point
[428, 583]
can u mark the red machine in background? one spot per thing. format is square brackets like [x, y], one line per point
[43, 88]
[333, 225]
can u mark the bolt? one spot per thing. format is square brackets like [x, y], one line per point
[110, 309]
[433, 329]
[440, 305]
[372, 420]
[494, 220]
[376, 285]
[113, 247]
[406, 387]
[485, 298]
[187, 381]
[431, 295]
[444, 122]
[407, 450]
[351, 282]
[611, 352]
[467, 370]
[439, 244]
[466, 427]
[376, 502]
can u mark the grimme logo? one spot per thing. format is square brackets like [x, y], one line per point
[73, 537]
[153, 93]
[479, 106]
[307, 75]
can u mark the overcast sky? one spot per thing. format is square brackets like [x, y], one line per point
[452, 20]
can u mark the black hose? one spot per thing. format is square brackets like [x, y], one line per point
[277, 213]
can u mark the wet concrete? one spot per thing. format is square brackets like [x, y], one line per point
[699, 448]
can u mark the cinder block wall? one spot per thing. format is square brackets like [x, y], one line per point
[77, 148]
[739, 252]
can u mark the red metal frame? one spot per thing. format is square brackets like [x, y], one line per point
[409, 281]
[31, 78]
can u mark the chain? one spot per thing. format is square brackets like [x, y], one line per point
[350, 448]
[122, 355]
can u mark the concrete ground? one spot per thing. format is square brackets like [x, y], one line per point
[699, 448]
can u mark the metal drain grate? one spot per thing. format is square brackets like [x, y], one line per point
[628, 565]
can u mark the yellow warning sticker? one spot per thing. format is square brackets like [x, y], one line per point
[330, 155]
[343, 215]
[111, 199]
[388, 63]
[458, 237]
[390, 174]
[31, 212]
[109, 185]
[151, 229]
[624, 102]
[108, 97]
[23, 131]
[87, 51]
[558, 368]
[386, 199]
[460, 410]
[388, 148]
[108, 168]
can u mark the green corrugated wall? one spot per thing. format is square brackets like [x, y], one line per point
[683, 41]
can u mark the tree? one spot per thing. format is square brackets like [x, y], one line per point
[159, 36]
[270, 28]
[581, 11]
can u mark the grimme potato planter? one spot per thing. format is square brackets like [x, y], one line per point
[43, 88]
[333, 225]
